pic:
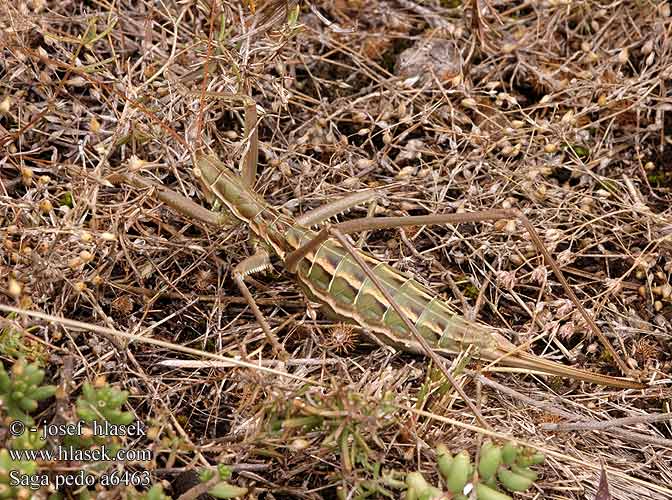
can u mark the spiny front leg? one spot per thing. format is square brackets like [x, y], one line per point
[256, 263]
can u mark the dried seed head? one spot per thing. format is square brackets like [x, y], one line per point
[565, 307]
[539, 275]
[666, 291]
[26, 176]
[553, 234]
[540, 192]
[364, 163]
[153, 433]
[468, 102]
[342, 338]
[14, 288]
[623, 56]
[285, 169]
[351, 182]
[405, 172]
[80, 286]
[516, 259]
[74, 263]
[360, 117]
[5, 105]
[135, 163]
[658, 306]
[85, 236]
[650, 59]
[94, 125]
[25, 302]
[204, 279]
[86, 256]
[299, 444]
[506, 279]
[507, 150]
[567, 330]
[123, 304]
[108, 236]
[516, 150]
[45, 206]
[551, 147]
[499, 225]
[568, 118]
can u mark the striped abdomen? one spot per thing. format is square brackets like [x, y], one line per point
[334, 278]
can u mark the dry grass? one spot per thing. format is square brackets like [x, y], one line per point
[561, 109]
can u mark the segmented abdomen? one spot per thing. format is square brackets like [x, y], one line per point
[334, 278]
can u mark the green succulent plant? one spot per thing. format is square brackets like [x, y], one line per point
[23, 468]
[100, 402]
[499, 467]
[222, 489]
[21, 391]
[103, 402]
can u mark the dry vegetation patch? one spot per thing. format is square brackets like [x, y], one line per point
[558, 108]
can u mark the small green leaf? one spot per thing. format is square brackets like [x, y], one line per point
[226, 490]
[66, 200]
